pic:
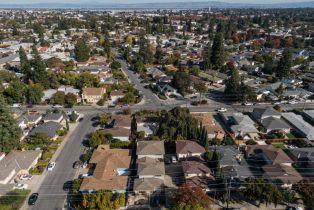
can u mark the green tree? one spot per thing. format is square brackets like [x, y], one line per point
[70, 99]
[39, 73]
[139, 67]
[82, 51]
[15, 92]
[129, 98]
[133, 128]
[58, 98]
[39, 140]
[104, 118]
[86, 79]
[195, 70]
[25, 64]
[232, 90]
[182, 82]
[34, 93]
[10, 133]
[201, 88]
[284, 65]
[207, 63]
[218, 52]
[96, 138]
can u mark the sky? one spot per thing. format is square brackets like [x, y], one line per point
[142, 1]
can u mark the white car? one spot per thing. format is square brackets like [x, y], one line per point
[221, 109]
[292, 102]
[248, 104]
[174, 159]
[51, 166]
[82, 176]
[21, 186]
[16, 105]
[26, 177]
[57, 106]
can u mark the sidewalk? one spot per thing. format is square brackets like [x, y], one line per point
[37, 180]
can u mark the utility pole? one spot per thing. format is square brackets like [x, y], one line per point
[229, 191]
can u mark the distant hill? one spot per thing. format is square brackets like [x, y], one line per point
[171, 5]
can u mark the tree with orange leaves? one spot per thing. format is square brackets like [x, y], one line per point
[188, 197]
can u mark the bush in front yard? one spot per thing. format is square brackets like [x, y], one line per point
[13, 200]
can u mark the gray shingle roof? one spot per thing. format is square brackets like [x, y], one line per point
[50, 128]
[17, 160]
[274, 123]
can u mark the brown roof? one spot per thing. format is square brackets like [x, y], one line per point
[150, 148]
[147, 184]
[150, 166]
[273, 154]
[122, 120]
[208, 121]
[118, 131]
[281, 173]
[195, 167]
[186, 146]
[116, 93]
[105, 175]
[200, 181]
[94, 91]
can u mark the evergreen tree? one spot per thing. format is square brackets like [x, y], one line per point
[284, 65]
[232, 90]
[82, 51]
[25, 64]
[207, 63]
[218, 51]
[214, 162]
[34, 93]
[133, 128]
[10, 133]
[39, 74]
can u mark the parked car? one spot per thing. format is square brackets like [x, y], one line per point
[77, 164]
[33, 198]
[248, 104]
[26, 177]
[222, 109]
[174, 159]
[51, 166]
[21, 186]
[292, 102]
[16, 105]
[57, 106]
[82, 176]
[67, 185]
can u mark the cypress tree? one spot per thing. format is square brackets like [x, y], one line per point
[284, 65]
[218, 51]
[82, 51]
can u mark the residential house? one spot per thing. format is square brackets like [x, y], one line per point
[115, 96]
[50, 128]
[111, 170]
[275, 164]
[213, 128]
[152, 149]
[53, 117]
[240, 125]
[155, 73]
[300, 126]
[197, 173]
[232, 163]
[93, 95]
[148, 186]
[303, 157]
[17, 163]
[29, 120]
[148, 167]
[121, 133]
[271, 120]
[186, 149]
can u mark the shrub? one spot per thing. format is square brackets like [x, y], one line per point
[13, 199]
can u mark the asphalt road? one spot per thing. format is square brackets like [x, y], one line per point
[51, 194]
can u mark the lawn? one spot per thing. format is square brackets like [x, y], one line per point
[280, 146]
